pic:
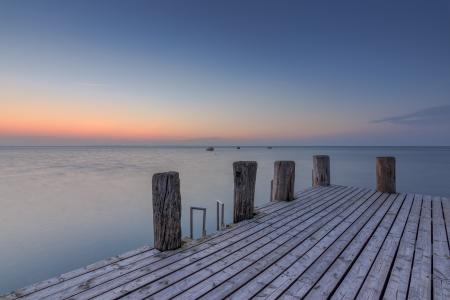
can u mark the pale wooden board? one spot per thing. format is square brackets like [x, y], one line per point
[441, 254]
[265, 278]
[349, 287]
[336, 272]
[372, 287]
[224, 270]
[266, 206]
[446, 211]
[125, 276]
[421, 281]
[339, 241]
[265, 270]
[314, 272]
[73, 285]
[78, 272]
[398, 282]
[203, 259]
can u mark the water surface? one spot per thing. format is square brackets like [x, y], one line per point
[65, 207]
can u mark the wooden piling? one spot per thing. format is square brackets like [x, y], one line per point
[244, 189]
[283, 181]
[321, 170]
[385, 172]
[166, 211]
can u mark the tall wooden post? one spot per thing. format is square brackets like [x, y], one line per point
[386, 174]
[244, 189]
[321, 170]
[166, 210]
[283, 181]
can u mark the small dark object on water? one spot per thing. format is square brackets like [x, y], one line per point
[210, 149]
[269, 147]
[238, 147]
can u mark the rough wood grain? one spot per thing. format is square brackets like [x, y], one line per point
[421, 281]
[385, 172]
[244, 189]
[398, 283]
[334, 241]
[166, 210]
[321, 170]
[283, 181]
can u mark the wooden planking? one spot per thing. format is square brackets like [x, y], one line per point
[446, 215]
[315, 271]
[336, 241]
[78, 272]
[204, 260]
[126, 277]
[72, 286]
[398, 282]
[257, 259]
[336, 272]
[349, 287]
[373, 286]
[264, 271]
[420, 284]
[441, 254]
[267, 208]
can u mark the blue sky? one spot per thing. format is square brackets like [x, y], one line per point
[249, 72]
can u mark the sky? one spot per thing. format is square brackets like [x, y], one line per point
[225, 72]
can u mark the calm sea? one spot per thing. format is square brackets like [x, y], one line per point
[65, 207]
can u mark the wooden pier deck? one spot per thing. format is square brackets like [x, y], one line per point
[331, 242]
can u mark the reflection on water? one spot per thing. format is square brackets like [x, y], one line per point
[65, 207]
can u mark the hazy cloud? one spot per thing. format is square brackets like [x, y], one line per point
[92, 84]
[437, 115]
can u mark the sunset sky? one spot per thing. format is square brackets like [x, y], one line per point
[225, 72]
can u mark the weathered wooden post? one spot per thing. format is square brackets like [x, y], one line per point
[283, 181]
[166, 210]
[386, 174]
[321, 170]
[244, 189]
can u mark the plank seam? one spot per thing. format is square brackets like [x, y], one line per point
[381, 245]
[360, 251]
[414, 252]
[268, 266]
[396, 250]
[342, 196]
[340, 192]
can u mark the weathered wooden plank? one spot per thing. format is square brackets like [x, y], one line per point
[146, 250]
[275, 231]
[446, 211]
[336, 272]
[248, 282]
[398, 282]
[441, 253]
[226, 269]
[265, 206]
[124, 279]
[353, 280]
[268, 207]
[315, 270]
[421, 279]
[372, 287]
[71, 286]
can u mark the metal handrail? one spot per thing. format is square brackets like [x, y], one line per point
[220, 221]
[192, 221]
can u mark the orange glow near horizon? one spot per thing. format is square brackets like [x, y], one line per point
[40, 113]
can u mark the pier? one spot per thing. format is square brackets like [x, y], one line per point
[328, 241]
